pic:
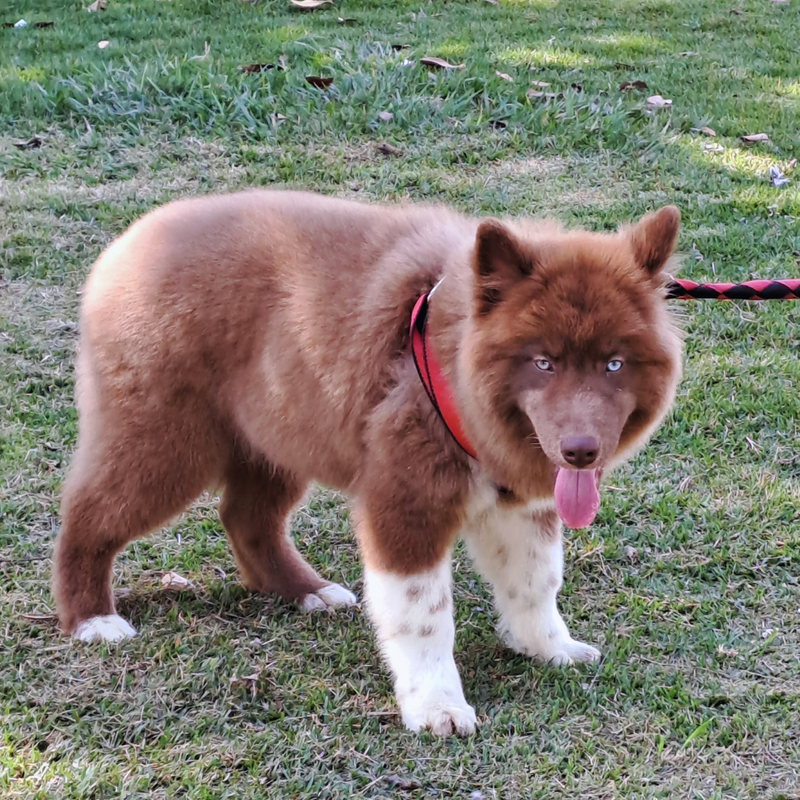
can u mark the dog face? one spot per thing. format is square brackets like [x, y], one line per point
[578, 353]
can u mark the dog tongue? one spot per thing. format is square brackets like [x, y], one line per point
[576, 496]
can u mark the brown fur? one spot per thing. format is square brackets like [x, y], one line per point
[258, 341]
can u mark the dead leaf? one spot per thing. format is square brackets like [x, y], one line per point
[657, 101]
[540, 84]
[310, 5]
[626, 86]
[706, 131]
[397, 47]
[631, 553]
[504, 75]
[252, 69]
[103, 43]
[29, 144]
[98, 5]
[401, 783]
[43, 24]
[319, 82]
[752, 138]
[439, 63]
[791, 165]
[385, 116]
[532, 94]
[347, 20]
[389, 150]
[171, 580]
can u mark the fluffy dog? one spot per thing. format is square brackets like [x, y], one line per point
[263, 340]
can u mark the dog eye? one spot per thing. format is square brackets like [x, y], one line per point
[543, 364]
[615, 365]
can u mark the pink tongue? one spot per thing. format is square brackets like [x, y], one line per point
[577, 498]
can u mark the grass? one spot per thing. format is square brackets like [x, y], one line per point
[689, 578]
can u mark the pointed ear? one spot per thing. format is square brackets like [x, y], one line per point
[653, 238]
[499, 263]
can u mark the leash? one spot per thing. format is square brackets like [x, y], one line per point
[784, 289]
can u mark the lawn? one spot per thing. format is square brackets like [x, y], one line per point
[688, 580]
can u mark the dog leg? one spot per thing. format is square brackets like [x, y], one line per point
[521, 554]
[256, 504]
[413, 616]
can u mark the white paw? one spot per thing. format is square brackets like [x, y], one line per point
[443, 715]
[570, 651]
[108, 628]
[328, 597]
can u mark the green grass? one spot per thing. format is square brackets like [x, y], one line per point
[689, 578]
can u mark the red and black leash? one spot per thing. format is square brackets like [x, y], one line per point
[784, 289]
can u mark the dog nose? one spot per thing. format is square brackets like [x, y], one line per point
[580, 451]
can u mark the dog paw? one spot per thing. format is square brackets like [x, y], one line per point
[108, 628]
[443, 716]
[327, 598]
[571, 651]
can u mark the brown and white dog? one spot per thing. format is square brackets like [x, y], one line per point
[260, 341]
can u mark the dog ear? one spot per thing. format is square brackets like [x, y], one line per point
[499, 263]
[653, 238]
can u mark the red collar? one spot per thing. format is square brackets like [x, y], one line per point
[431, 375]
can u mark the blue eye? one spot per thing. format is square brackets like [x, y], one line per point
[543, 364]
[615, 365]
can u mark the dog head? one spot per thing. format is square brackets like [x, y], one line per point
[571, 354]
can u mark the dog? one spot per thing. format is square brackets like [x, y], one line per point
[454, 376]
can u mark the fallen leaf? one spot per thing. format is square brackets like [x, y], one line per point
[540, 84]
[776, 177]
[385, 116]
[631, 553]
[310, 5]
[713, 147]
[318, 82]
[504, 75]
[706, 131]
[400, 46]
[347, 20]
[791, 165]
[532, 94]
[751, 138]
[657, 101]
[171, 580]
[43, 24]
[251, 69]
[98, 5]
[103, 44]
[29, 144]
[439, 63]
[626, 86]
[389, 150]
[401, 783]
